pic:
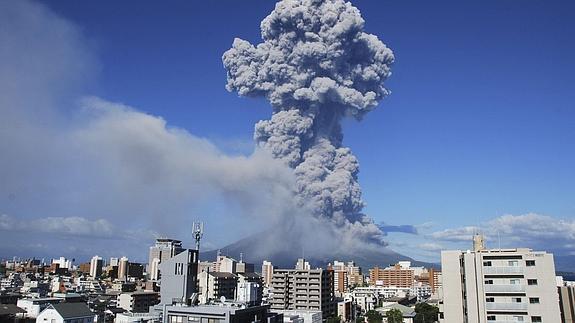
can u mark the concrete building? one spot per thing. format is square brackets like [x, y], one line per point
[163, 250]
[399, 275]
[128, 317]
[267, 272]
[113, 261]
[221, 313]
[300, 316]
[66, 313]
[138, 302]
[214, 285]
[567, 303]
[96, 265]
[179, 277]
[346, 310]
[255, 281]
[62, 263]
[123, 268]
[498, 285]
[303, 289]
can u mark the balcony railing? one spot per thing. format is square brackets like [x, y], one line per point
[504, 288]
[506, 306]
[503, 270]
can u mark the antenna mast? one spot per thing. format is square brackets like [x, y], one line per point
[198, 232]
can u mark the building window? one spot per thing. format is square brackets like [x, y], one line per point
[489, 282]
[536, 319]
[491, 318]
[490, 299]
[534, 300]
[530, 263]
[518, 318]
[487, 263]
[517, 300]
[514, 281]
[513, 263]
[531, 281]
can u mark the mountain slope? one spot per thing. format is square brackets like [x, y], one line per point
[254, 250]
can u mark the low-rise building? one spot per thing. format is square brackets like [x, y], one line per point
[222, 313]
[138, 302]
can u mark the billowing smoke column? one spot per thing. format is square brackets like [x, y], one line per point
[315, 66]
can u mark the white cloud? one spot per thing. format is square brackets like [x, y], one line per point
[431, 246]
[527, 230]
[59, 225]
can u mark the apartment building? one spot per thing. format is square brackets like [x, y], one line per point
[214, 285]
[400, 275]
[498, 285]
[138, 302]
[303, 289]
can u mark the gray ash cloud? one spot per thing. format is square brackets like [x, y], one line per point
[316, 66]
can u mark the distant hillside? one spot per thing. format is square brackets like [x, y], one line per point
[254, 251]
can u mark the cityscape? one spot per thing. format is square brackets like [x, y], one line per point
[176, 285]
[287, 161]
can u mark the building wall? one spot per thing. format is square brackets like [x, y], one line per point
[179, 277]
[567, 303]
[303, 290]
[494, 285]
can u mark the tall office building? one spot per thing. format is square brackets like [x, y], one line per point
[179, 277]
[96, 266]
[267, 272]
[303, 289]
[123, 268]
[498, 285]
[164, 249]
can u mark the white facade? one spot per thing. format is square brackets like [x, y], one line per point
[96, 266]
[33, 306]
[247, 292]
[62, 263]
[267, 272]
[123, 268]
[502, 285]
[299, 316]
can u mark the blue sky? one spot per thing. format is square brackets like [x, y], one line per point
[480, 122]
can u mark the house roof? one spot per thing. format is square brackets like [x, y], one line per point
[10, 309]
[71, 310]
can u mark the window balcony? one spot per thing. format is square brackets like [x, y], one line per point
[504, 288]
[503, 270]
[506, 306]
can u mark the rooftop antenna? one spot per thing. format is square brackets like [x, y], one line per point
[198, 232]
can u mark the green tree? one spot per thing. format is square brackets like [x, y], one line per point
[394, 316]
[426, 313]
[333, 319]
[374, 317]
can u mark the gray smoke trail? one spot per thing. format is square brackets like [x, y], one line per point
[315, 66]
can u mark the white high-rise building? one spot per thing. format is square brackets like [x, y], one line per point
[96, 266]
[163, 250]
[123, 268]
[498, 285]
[267, 272]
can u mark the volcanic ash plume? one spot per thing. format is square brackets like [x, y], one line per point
[315, 66]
